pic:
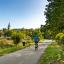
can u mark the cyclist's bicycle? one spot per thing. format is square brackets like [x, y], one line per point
[36, 46]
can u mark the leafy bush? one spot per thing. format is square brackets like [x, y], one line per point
[60, 38]
[7, 33]
[29, 42]
[16, 37]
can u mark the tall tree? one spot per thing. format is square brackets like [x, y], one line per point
[9, 26]
[55, 15]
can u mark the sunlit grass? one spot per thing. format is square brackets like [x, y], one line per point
[8, 50]
[52, 54]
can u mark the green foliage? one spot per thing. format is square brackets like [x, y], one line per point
[46, 32]
[9, 26]
[16, 36]
[15, 41]
[7, 33]
[10, 49]
[29, 42]
[37, 33]
[60, 38]
[52, 55]
[4, 51]
[55, 16]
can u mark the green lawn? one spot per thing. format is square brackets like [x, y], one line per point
[4, 51]
[52, 55]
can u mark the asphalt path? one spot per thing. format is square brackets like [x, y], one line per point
[25, 56]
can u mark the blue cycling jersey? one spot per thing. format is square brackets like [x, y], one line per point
[36, 39]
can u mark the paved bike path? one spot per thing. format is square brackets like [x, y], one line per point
[25, 56]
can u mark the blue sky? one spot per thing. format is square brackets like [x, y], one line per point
[22, 13]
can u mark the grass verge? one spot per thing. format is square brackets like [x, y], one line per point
[53, 55]
[4, 51]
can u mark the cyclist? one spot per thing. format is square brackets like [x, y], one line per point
[36, 40]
